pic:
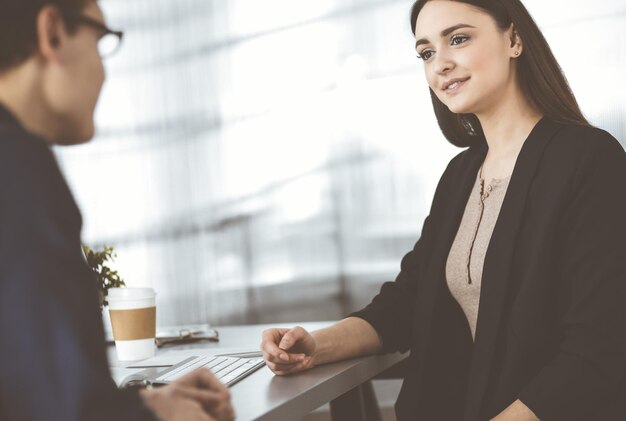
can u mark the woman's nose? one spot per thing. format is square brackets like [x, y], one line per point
[443, 63]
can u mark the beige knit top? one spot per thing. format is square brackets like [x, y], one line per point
[464, 266]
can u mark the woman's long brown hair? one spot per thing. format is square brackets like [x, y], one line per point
[538, 73]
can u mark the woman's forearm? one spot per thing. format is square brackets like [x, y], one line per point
[349, 338]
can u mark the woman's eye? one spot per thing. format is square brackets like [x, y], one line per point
[458, 39]
[425, 55]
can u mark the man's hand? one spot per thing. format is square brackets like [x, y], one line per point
[197, 396]
[287, 351]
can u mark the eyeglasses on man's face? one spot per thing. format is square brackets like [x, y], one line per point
[109, 41]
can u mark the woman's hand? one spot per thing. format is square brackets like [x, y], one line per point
[197, 396]
[288, 351]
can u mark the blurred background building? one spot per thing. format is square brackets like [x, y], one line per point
[273, 160]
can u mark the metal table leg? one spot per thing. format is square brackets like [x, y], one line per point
[358, 404]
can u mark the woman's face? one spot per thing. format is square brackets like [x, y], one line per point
[467, 58]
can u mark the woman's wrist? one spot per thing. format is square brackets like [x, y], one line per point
[349, 338]
[319, 355]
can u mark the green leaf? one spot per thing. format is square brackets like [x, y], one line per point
[105, 277]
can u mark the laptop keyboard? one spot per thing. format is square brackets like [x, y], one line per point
[228, 370]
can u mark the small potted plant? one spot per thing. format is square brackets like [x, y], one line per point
[105, 277]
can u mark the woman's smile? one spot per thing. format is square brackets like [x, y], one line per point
[453, 86]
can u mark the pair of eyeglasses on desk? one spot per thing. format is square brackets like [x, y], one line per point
[185, 336]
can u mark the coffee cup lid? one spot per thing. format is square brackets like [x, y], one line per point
[130, 293]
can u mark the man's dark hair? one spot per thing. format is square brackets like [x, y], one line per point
[18, 27]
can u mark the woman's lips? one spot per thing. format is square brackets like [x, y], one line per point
[456, 86]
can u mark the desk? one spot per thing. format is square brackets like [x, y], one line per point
[263, 396]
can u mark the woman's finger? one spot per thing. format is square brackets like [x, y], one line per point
[269, 342]
[284, 369]
[282, 356]
[286, 358]
[291, 337]
[287, 372]
[277, 366]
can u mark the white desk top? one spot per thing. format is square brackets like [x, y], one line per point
[264, 396]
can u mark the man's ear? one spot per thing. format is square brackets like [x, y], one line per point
[51, 32]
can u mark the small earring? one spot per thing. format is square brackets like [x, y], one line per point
[517, 53]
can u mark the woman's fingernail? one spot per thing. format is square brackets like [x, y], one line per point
[284, 357]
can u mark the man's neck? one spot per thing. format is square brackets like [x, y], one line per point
[21, 93]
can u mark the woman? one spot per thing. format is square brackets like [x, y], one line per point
[513, 301]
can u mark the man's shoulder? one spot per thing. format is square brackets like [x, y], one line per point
[23, 154]
[29, 174]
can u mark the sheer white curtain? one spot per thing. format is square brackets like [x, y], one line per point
[265, 160]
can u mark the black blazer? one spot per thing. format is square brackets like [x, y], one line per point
[53, 363]
[551, 327]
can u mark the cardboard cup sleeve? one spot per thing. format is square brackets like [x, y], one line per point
[133, 324]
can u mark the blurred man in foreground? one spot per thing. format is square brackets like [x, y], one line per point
[52, 358]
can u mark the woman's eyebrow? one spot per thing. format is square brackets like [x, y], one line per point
[444, 33]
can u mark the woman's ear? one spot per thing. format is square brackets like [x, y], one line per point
[516, 45]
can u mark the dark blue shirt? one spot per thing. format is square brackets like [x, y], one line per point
[53, 360]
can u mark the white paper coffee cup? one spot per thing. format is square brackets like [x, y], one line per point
[133, 318]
